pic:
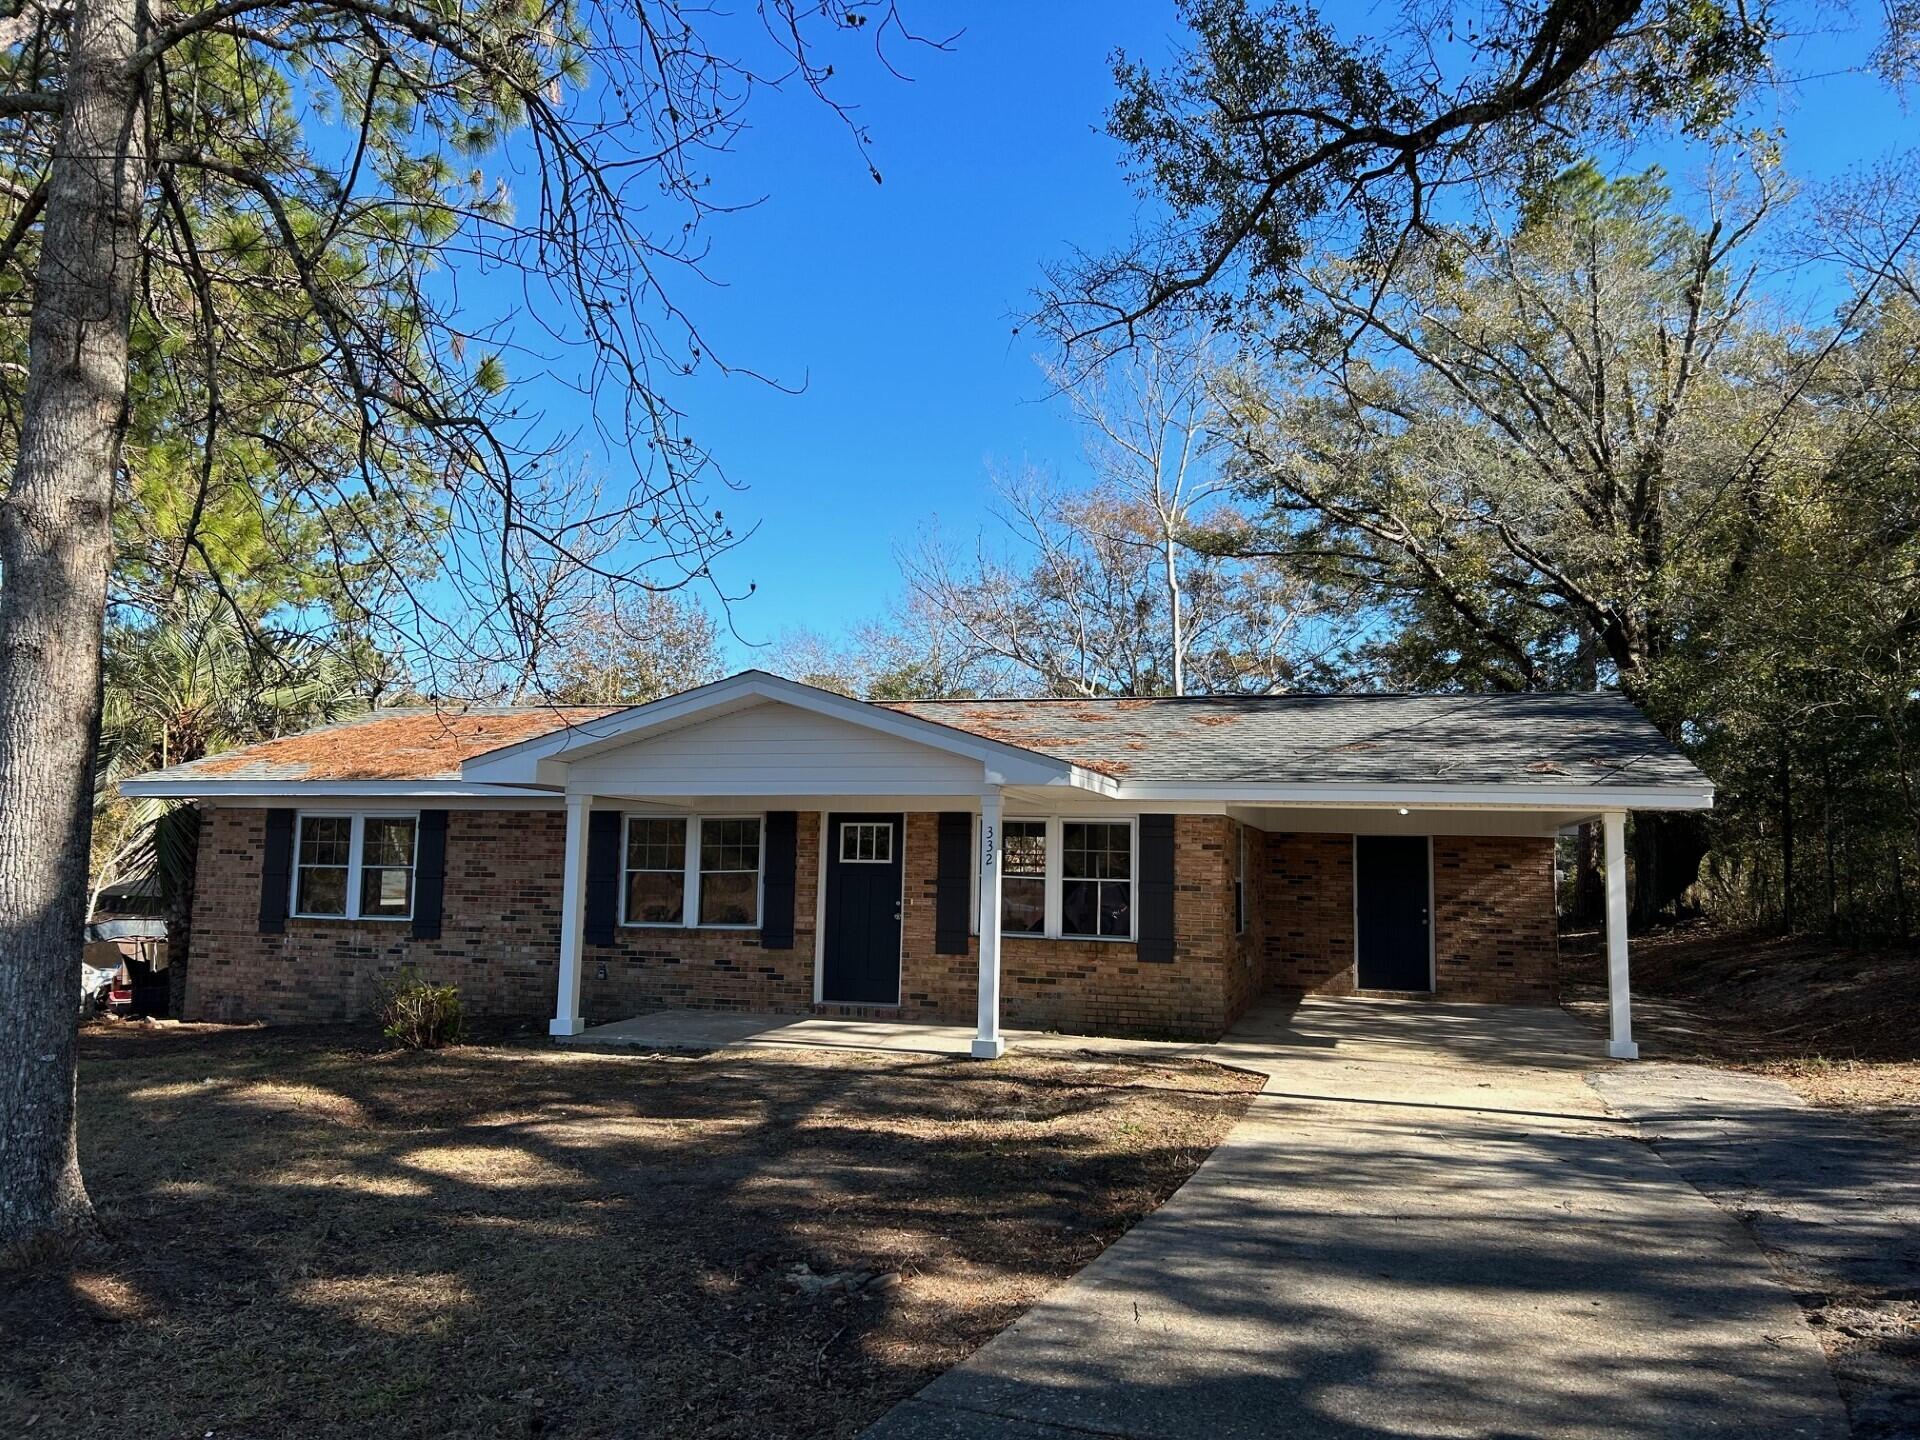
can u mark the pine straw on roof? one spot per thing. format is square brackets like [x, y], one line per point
[410, 745]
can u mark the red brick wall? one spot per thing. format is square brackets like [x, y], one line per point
[1495, 935]
[498, 938]
[1082, 986]
[500, 942]
[1306, 912]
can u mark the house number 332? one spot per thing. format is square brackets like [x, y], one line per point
[987, 839]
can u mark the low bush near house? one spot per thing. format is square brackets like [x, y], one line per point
[419, 1014]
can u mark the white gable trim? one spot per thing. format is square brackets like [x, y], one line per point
[544, 759]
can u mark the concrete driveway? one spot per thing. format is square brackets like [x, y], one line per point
[1426, 1226]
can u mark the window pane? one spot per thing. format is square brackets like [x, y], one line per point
[1024, 851]
[729, 898]
[656, 897]
[1023, 905]
[656, 843]
[1116, 909]
[325, 839]
[323, 890]
[386, 890]
[1096, 852]
[730, 845]
[388, 842]
[1079, 907]
[866, 842]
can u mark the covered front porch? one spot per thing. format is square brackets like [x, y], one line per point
[766, 848]
[967, 953]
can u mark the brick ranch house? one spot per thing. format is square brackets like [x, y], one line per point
[1122, 866]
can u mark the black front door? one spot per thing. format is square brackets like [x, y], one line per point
[862, 946]
[1393, 911]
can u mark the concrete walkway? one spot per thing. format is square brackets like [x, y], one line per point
[1834, 1202]
[1426, 1226]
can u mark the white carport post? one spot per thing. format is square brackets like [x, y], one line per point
[1620, 1046]
[567, 1019]
[988, 1044]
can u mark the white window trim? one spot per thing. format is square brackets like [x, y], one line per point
[690, 893]
[853, 828]
[1056, 878]
[687, 881]
[1056, 875]
[356, 851]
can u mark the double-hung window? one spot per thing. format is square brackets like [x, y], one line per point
[656, 870]
[730, 872]
[1023, 878]
[1067, 879]
[692, 871]
[1096, 879]
[355, 867]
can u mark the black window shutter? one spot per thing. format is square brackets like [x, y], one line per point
[276, 872]
[429, 874]
[1156, 888]
[776, 917]
[603, 876]
[953, 882]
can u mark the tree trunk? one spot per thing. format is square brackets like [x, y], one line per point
[55, 548]
[1786, 842]
[1175, 617]
[1826, 833]
[1589, 889]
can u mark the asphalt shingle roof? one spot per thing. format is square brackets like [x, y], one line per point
[1554, 741]
[1593, 738]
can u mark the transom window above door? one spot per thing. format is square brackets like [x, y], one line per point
[866, 842]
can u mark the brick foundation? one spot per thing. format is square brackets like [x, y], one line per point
[1494, 936]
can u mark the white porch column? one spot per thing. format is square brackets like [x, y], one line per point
[988, 1043]
[1620, 1044]
[573, 918]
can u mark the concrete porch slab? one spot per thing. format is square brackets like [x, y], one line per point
[1338, 1041]
[716, 1029]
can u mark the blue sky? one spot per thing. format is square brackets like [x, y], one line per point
[893, 305]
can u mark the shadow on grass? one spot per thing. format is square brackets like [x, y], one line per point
[314, 1237]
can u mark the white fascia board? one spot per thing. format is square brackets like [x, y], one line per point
[1592, 799]
[520, 763]
[331, 790]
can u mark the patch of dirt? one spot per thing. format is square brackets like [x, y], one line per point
[310, 1236]
[1839, 1025]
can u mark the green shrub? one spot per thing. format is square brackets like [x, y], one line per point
[419, 1014]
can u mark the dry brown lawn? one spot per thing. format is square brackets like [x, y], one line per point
[1840, 1025]
[310, 1236]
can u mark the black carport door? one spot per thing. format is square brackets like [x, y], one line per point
[862, 944]
[1392, 912]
